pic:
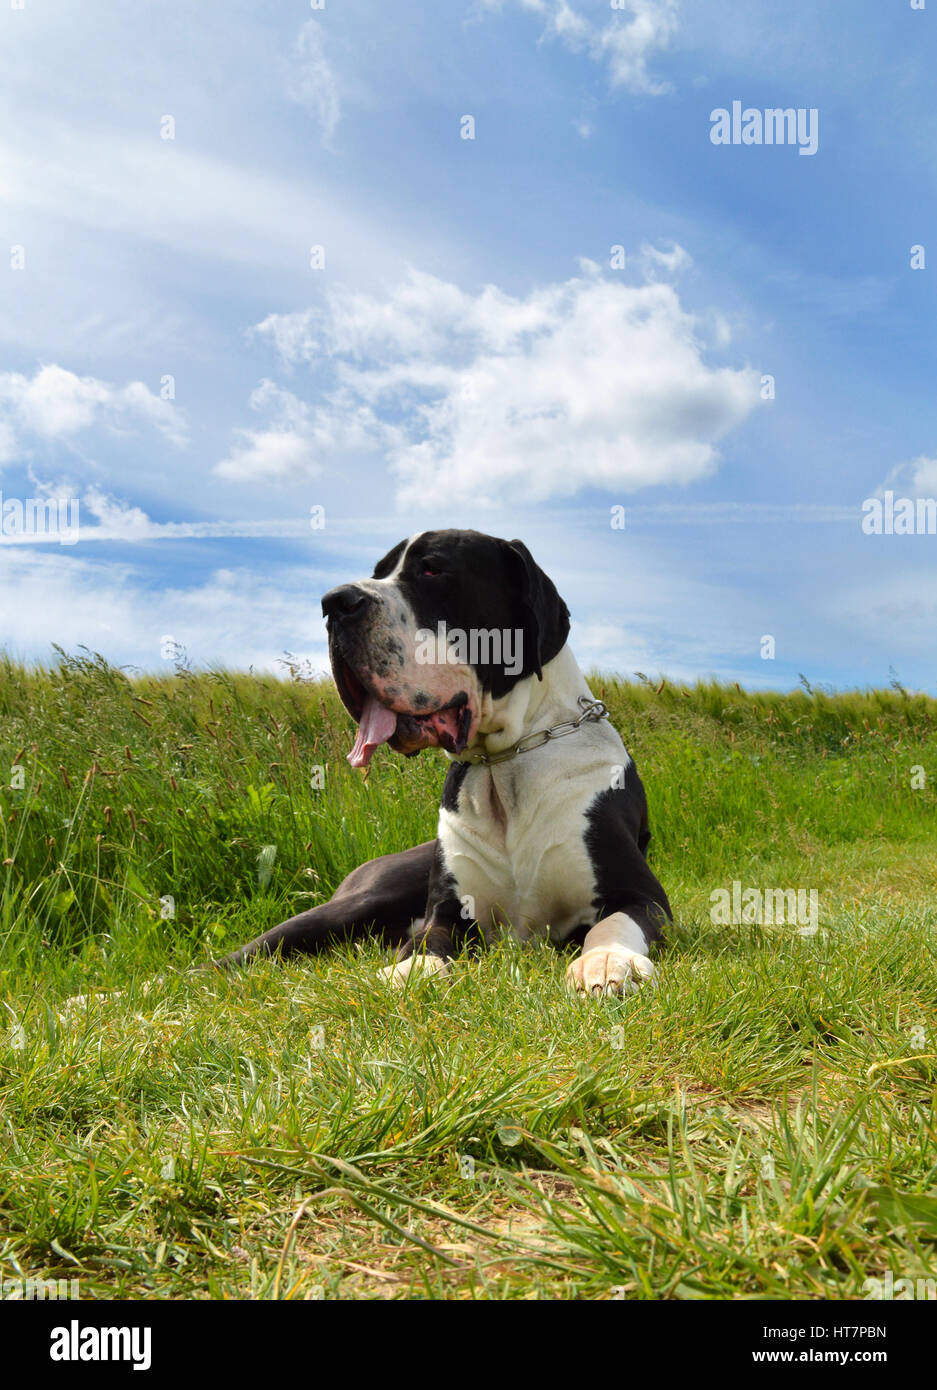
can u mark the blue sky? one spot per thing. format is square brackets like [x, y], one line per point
[471, 352]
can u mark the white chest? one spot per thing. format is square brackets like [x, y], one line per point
[516, 845]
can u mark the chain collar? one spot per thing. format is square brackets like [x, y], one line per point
[592, 710]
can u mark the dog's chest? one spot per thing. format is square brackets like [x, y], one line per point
[515, 846]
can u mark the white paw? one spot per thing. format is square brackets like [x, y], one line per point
[420, 966]
[609, 970]
[77, 1003]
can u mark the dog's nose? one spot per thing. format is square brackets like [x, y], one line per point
[347, 601]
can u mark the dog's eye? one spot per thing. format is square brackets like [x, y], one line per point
[432, 569]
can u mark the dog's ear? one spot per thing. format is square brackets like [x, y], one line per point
[388, 564]
[545, 615]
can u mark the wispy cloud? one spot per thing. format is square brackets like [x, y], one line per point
[671, 262]
[146, 190]
[744, 513]
[235, 616]
[637, 30]
[311, 79]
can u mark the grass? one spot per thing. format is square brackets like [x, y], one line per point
[760, 1126]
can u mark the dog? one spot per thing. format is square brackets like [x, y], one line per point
[459, 641]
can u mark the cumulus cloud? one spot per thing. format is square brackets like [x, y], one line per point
[916, 478]
[624, 43]
[490, 397]
[55, 404]
[116, 519]
[298, 439]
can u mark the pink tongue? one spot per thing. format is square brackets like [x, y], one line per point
[375, 727]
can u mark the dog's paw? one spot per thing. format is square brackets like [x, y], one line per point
[415, 966]
[609, 970]
[78, 1003]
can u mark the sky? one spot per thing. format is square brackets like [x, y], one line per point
[281, 284]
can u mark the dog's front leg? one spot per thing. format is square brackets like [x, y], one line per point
[614, 958]
[426, 953]
[382, 896]
[429, 948]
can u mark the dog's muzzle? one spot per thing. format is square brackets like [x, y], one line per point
[375, 686]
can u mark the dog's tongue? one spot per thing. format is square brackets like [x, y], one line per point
[375, 727]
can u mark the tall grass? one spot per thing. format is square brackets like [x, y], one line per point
[231, 794]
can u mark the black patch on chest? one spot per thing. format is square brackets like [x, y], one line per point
[445, 928]
[617, 836]
[453, 785]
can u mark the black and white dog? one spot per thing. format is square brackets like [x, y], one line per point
[459, 641]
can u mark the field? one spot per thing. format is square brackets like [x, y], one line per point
[759, 1126]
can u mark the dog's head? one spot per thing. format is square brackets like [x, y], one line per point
[446, 618]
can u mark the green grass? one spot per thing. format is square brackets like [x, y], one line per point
[759, 1126]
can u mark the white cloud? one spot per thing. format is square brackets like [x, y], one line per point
[7, 442]
[722, 330]
[672, 261]
[55, 404]
[916, 478]
[116, 518]
[299, 438]
[283, 448]
[312, 81]
[635, 31]
[895, 615]
[236, 616]
[924, 477]
[627, 44]
[493, 398]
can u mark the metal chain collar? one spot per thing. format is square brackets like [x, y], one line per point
[592, 710]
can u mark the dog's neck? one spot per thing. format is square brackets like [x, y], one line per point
[532, 705]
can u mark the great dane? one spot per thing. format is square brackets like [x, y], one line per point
[458, 640]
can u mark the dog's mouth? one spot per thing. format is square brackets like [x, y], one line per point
[406, 731]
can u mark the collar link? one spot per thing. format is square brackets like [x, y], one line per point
[592, 711]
